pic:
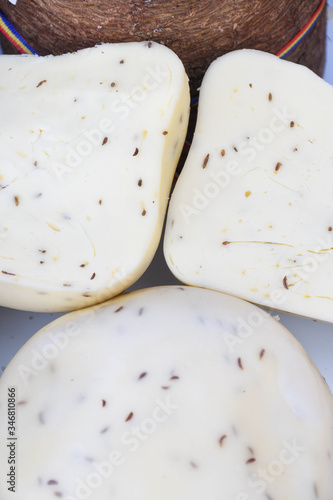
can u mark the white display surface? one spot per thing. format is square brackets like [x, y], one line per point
[16, 327]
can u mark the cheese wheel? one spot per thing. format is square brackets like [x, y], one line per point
[89, 143]
[252, 213]
[170, 392]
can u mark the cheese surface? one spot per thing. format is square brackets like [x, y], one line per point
[89, 143]
[170, 392]
[252, 212]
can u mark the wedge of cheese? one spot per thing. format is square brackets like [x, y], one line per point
[252, 213]
[166, 393]
[89, 143]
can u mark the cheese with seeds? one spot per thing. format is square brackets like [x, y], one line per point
[89, 144]
[252, 212]
[169, 393]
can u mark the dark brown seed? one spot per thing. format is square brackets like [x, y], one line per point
[270, 97]
[226, 243]
[277, 166]
[149, 44]
[119, 309]
[51, 482]
[42, 251]
[35, 163]
[100, 201]
[174, 377]
[140, 182]
[142, 375]
[204, 165]
[250, 460]
[165, 387]
[113, 84]
[17, 202]
[122, 61]
[223, 152]
[129, 417]
[330, 228]
[315, 489]
[143, 213]
[292, 124]
[236, 149]
[250, 85]
[165, 132]
[105, 140]
[83, 265]
[262, 353]
[103, 403]
[41, 83]
[240, 364]
[285, 283]
[222, 438]
[93, 276]
[41, 262]
[136, 152]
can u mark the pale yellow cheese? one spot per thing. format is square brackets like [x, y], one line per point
[167, 393]
[252, 212]
[89, 143]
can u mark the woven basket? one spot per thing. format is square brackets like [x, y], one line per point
[197, 30]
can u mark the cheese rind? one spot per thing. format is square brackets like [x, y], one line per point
[256, 220]
[89, 144]
[169, 392]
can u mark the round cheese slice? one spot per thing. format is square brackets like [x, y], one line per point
[168, 393]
